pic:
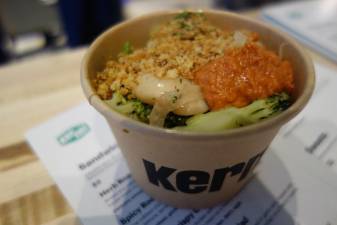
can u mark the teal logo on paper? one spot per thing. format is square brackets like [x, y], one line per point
[73, 134]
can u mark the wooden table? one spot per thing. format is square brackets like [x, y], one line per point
[31, 92]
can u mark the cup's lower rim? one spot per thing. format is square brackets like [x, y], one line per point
[270, 123]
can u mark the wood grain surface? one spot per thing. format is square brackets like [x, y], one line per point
[32, 91]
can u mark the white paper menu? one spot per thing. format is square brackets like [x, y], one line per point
[290, 187]
[315, 128]
[311, 22]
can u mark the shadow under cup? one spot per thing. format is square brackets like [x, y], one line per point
[193, 170]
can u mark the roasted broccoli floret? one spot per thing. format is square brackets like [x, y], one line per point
[232, 117]
[133, 108]
[174, 120]
[140, 111]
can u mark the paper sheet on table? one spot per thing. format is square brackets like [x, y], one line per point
[311, 22]
[290, 187]
[314, 130]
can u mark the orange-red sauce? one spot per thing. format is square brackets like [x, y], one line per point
[242, 76]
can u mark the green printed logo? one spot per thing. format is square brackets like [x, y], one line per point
[73, 134]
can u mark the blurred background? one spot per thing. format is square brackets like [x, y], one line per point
[32, 27]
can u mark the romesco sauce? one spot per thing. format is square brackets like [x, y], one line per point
[242, 76]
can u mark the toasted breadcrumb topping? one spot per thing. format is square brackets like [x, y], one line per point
[175, 49]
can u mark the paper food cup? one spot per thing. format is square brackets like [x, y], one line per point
[193, 170]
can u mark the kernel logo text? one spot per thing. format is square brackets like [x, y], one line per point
[197, 181]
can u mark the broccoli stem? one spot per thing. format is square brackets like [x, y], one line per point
[220, 120]
[232, 117]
